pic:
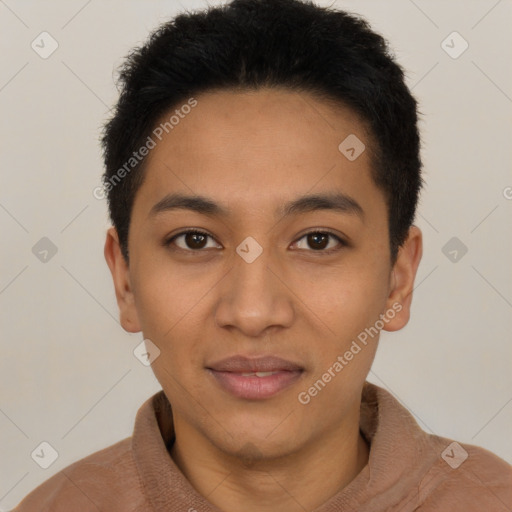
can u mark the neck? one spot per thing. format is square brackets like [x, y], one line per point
[302, 480]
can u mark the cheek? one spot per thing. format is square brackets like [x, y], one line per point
[344, 309]
[169, 306]
[166, 297]
[346, 300]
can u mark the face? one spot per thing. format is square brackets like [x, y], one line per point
[300, 283]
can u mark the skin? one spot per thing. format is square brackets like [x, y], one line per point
[253, 151]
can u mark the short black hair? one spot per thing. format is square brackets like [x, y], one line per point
[250, 44]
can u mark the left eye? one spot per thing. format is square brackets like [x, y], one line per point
[319, 240]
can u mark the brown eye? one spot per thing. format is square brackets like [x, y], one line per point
[318, 241]
[191, 240]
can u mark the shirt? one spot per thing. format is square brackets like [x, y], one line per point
[408, 470]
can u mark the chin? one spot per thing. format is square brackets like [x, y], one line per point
[253, 451]
[263, 443]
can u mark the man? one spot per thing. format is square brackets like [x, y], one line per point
[263, 172]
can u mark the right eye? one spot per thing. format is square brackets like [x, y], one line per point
[193, 240]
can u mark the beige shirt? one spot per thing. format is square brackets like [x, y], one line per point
[408, 470]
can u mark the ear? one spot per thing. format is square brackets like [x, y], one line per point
[121, 276]
[402, 280]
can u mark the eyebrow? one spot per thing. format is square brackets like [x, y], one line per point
[203, 205]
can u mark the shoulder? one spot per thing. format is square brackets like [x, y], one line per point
[105, 480]
[466, 477]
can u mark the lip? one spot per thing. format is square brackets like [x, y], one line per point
[242, 364]
[228, 374]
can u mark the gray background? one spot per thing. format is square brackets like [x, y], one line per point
[68, 375]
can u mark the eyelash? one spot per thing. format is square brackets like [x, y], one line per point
[169, 241]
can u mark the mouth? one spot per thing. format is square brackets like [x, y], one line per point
[255, 379]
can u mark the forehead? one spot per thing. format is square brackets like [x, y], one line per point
[266, 119]
[253, 148]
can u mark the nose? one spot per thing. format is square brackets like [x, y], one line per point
[255, 297]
